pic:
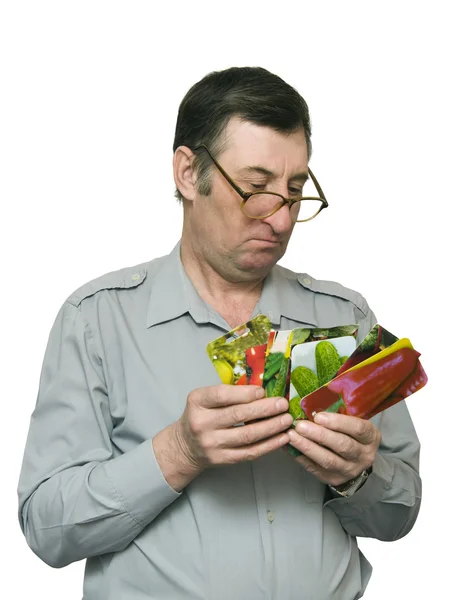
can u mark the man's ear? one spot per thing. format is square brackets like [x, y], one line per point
[184, 176]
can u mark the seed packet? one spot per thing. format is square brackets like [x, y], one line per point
[286, 346]
[376, 340]
[277, 365]
[238, 353]
[315, 363]
[381, 372]
[315, 354]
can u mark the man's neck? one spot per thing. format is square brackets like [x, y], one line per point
[233, 300]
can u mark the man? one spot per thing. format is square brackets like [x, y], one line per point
[133, 460]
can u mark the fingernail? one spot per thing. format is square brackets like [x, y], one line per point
[302, 426]
[320, 417]
[282, 404]
[260, 393]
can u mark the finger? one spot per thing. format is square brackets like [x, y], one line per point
[254, 451]
[248, 435]
[339, 443]
[313, 468]
[243, 413]
[361, 430]
[325, 459]
[225, 395]
[327, 477]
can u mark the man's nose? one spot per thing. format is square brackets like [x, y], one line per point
[280, 221]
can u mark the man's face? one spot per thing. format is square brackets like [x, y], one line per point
[256, 158]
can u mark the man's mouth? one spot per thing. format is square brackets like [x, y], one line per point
[269, 242]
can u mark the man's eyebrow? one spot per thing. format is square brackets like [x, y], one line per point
[303, 176]
[255, 169]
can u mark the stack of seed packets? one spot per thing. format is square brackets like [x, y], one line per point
[320, 369]
[287, 363]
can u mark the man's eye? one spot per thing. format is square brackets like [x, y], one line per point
[258, 186]
[295, 193]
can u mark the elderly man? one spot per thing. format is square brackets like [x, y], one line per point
[133, 460]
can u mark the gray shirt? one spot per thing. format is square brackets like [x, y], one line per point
[123, 354]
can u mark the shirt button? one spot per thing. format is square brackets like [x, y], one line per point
[270, 516]
[135, 277]
[306, 280]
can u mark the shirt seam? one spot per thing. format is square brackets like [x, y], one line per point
[100, 375]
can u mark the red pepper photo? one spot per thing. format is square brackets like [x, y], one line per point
[255, 360]
[373, 387]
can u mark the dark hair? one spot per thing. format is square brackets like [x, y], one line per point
[251, 93]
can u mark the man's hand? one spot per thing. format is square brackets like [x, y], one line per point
[335, 447]
[209, 432]
[207, 426]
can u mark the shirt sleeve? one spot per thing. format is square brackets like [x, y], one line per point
[77, 496]
[387, 505]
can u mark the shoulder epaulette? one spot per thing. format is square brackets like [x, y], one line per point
[332, 288]
[129, 277]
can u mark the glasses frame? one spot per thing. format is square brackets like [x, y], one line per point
[246, 195]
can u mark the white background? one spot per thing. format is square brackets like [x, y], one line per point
[89, 98]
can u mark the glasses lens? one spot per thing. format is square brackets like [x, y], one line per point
[262, 205]
[306, 209]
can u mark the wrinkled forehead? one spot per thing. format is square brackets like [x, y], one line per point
[244, 143]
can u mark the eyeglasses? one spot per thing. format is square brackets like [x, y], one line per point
[263, 204]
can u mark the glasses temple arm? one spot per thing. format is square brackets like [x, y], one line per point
[319, 189]
[235, 187]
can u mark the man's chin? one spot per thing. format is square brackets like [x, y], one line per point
[261, 261]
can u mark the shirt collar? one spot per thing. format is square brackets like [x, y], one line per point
[173, 294]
